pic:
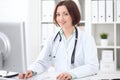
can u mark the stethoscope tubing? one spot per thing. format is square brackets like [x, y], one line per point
[74, 49]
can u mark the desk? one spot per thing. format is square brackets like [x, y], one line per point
[99, 76]
[52, 76]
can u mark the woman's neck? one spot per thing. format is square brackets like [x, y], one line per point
[68, 31]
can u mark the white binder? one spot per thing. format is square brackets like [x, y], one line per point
[101, 16]
[47, 10]
[107, 66]
[47, 31]
[118, 10]
[107, 62]
[109, 10]
[94, 10]
[107, 56]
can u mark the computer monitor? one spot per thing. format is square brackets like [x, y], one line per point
[12, 47]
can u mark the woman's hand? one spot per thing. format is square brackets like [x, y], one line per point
[28, 74]
[64, 76]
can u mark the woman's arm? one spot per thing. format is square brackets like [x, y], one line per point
[91, 64]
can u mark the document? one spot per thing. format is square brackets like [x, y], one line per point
[47, 30]
[118, 10]
[107, 63]
[107, 55]
[109, 10]
[101, 10]
[47, 10]
[44, 76]
[94, 10]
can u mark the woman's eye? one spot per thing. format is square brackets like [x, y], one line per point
[66, 14]
[57, 14]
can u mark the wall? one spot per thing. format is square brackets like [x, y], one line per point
[33, 30]
[28, 11]
[11, 10]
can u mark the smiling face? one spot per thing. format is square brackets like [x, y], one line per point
[66, 13]
[63, 17]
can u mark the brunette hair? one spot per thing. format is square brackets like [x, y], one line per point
[72, 9]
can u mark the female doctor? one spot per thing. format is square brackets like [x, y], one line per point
[72, 52]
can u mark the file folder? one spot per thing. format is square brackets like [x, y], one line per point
[47, 10]
[47, 30]
[107, 55]
[118, 10]
[101, 11]
[109, 10]
[94, 10]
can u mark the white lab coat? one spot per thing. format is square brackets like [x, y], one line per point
[86, 60]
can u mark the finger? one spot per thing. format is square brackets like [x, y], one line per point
[27, 75]
[68, 78]
[60, 76]
[21, 76]
[30, 75]
[64, 77]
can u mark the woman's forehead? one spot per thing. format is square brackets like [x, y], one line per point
[62, 8]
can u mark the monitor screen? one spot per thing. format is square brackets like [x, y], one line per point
[12, 46]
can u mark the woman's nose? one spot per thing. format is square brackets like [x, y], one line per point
[61, 17]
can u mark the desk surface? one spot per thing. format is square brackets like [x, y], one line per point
[99, 76]
[52, 76]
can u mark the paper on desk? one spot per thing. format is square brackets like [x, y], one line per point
[44, 76]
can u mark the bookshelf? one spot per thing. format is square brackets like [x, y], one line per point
[108, 25]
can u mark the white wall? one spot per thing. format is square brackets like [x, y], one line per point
[33, 30]
[12, 10]
[28, 11]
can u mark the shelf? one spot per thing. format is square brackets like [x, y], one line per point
[97, 29]
[112, 27]
[118, 47]
[117, 22]
[107, 47]
[103, 22]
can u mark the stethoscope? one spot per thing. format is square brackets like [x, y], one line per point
[74, 49]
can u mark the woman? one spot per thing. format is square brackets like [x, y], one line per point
[72, 52]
